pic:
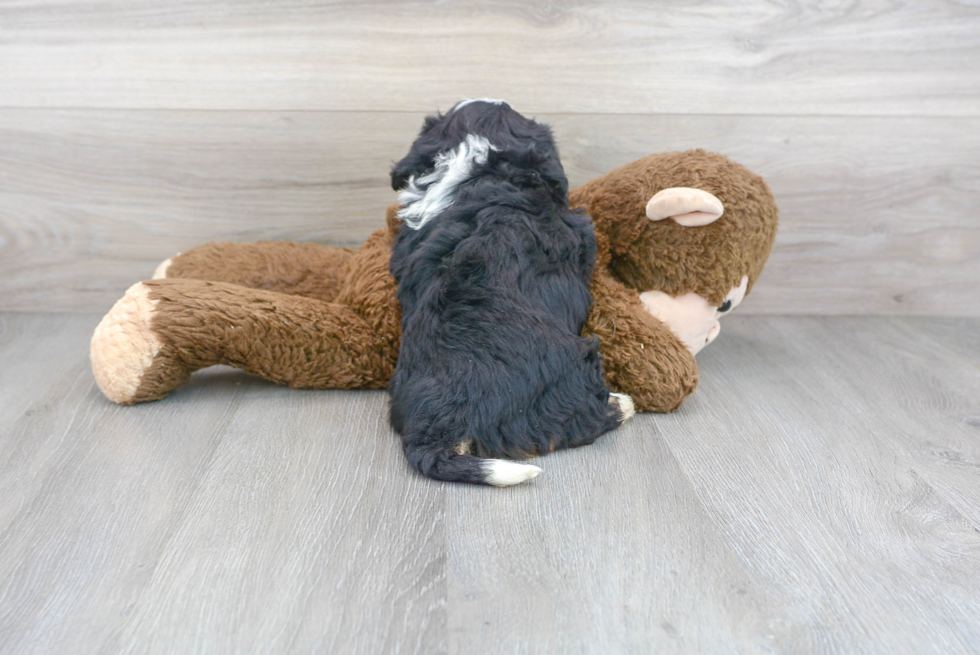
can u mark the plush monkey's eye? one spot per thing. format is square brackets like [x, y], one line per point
[725, 306]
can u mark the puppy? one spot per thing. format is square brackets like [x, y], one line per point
[493, 274]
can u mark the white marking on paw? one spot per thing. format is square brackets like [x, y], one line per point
[504, 473]
[124, 345]
[428, 196]
[626, 407]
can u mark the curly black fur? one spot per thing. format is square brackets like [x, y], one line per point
[494, 292]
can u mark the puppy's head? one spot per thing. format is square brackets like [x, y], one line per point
[475, 137]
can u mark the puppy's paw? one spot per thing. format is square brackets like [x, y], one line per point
[623, 404]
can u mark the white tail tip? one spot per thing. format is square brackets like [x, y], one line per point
[625, 404]
[504, 473]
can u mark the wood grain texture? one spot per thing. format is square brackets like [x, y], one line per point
[878, 214]
[816, 458]
[82, 518]
[316, 516]
[131, 549]
[818, 493]
[935, 379]
[875, 57]
[616, 555]
[33, 355]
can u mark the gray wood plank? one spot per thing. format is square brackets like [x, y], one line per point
[818, 493]
[949, 453]
[32, 356]
[867, 58]
[957, 336]
[89, 496]
[803, 492]
[308, 534]
[928, 402]
[608, 550]
[811, 465]
[136, 530]
[91, 201]
[877, 214]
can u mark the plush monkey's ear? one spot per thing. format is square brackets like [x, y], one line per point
[686, 206]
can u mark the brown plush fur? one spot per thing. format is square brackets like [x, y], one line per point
[641, 357]
[671, 258]
[300, 269]
[320, 317]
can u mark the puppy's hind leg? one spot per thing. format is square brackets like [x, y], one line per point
[443, 462]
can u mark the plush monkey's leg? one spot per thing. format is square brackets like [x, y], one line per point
[303, 269]
[125, 349]
[163, 330]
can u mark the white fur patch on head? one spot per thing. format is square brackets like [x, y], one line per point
[504, 473]
[428, 196]
[489, 101]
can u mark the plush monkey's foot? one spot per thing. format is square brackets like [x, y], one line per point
[130, 362]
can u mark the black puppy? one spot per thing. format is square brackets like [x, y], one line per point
[493, 274]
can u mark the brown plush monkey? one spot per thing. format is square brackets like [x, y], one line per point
[682, 238]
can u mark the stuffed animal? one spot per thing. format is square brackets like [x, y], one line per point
[682, 239]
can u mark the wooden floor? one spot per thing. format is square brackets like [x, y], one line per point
[819, 493]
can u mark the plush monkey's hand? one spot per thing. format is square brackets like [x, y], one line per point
[641, 355]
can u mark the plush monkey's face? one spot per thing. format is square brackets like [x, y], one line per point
[694, 320]
[689, 231]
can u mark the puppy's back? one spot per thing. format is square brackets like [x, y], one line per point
[494, 293]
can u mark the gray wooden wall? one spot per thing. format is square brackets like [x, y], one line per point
[130, 131]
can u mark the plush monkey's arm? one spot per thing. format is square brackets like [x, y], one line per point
[302, 269]
[640, 355]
